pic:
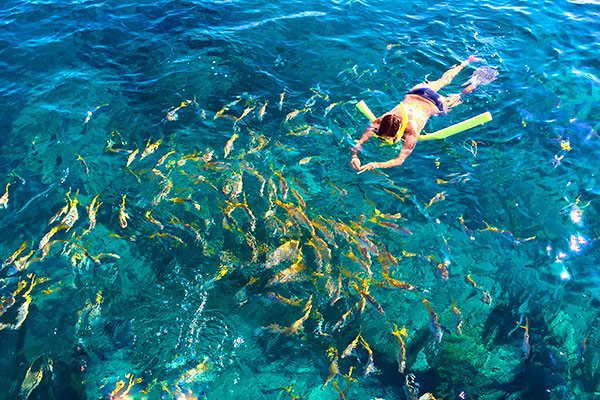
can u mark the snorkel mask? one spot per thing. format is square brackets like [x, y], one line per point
[389, 123]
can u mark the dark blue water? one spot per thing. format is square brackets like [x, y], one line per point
[244, 258]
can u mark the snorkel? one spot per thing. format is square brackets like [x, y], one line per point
[404, 120]
[441, 134]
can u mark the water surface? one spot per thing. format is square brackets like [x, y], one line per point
[254, 108]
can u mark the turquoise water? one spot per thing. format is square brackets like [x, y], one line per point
[189, 296]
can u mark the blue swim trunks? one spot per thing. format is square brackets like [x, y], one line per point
[429, 94]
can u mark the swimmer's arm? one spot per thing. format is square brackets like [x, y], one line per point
[365, 136]
[371, 129]
[409, 145]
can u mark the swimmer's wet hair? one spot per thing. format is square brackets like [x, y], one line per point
[390, 124]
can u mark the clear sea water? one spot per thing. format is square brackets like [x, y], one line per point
[191, 298]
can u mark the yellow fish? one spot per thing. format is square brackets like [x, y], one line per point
[438, 197]
[299, 199]
[24, 308]
[4, 198]
[121, 391]
[471, 281]
[231, 206]
[262, 111]
[456, 311]
[163, 158]
[299, 324]
[344, 317]
[283, 187]
[297, 214]
[72, 214]
[397, 333]
[34, 375]
[327, 234]
[281, 96]
[287, 251]
[262, 180]
[333, 367]
[260, 143]
[322, 251]
[366, 265]
[92, 211]
[24, 261]
[166, 235]
[90, 113]
[123, 216]
[132, 155]
[283, 299]
[289, 274]
[59, 213]
[85, 166]
[398, 284]
[295, 113]
[46, 238]
[303, 130]
[229, 145]
[245, 113]
[367, 296]
[172, 114]
[370, 365]
[167, 186]
[221, 112]
[14, 255]
[351, 346]
[234, 185]
[150, 148]
[434, 324]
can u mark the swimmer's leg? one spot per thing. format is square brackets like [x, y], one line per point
[447, 77]
[469, 88]
[451, 101]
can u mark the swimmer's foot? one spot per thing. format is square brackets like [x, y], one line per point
[481, 76]
[470, 59]
[452, 100]
[468, 89]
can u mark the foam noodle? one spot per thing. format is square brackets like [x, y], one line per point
[362, 106]
[442, 133]
[460, 127]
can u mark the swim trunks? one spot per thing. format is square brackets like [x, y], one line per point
[429, 94]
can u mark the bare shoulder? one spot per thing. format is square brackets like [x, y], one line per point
[412, 132]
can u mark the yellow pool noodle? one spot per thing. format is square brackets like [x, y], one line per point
[442, 133]
[459, 127]
[363, 108]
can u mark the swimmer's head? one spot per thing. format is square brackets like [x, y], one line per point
[389, 128]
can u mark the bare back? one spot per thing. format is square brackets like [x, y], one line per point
[418, 111]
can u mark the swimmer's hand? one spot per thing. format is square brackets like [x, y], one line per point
[355, 162]
[470, 59]
[368, 167]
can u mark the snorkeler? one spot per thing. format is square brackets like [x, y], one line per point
[407, 120]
